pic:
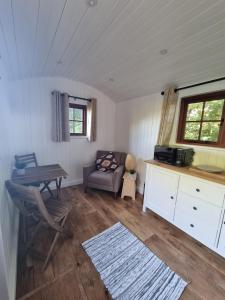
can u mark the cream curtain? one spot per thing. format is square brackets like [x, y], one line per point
[91, 120]
[167, 116]
[60, 117]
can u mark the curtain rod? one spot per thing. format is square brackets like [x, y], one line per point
[79, 98]
[76, 97]
[197, 84]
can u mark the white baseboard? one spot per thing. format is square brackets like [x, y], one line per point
[66, 183]
[140, 189]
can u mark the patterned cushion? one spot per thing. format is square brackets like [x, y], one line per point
[106, 162]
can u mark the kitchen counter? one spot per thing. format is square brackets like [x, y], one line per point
[192, 171]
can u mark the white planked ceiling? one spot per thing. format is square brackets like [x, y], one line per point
[118, 39]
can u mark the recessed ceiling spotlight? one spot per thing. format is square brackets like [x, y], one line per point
[91, 3]
[111, 79]
[59, 62]
[163, 51]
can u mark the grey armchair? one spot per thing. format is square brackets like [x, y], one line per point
[109, 180]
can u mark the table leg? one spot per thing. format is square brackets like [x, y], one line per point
[58, 186]
[46, 186]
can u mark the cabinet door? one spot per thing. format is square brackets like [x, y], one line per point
[161, 192]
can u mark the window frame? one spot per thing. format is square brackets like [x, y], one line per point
[183, 115]
[84, 121]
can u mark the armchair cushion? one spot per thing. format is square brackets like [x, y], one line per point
[101, 178]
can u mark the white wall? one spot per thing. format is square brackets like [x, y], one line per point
[8, 213]
[30, 103]
[203, 155]
[137, 125]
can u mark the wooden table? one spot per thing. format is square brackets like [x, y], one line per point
[129, 185]
[41, 174]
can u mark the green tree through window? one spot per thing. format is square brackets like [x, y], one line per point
[77, 119]
[202, 119]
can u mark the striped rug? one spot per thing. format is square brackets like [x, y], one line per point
[129, 269]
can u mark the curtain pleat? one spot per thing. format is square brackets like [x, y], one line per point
[167, 116]
[91, 120]
[60, 117]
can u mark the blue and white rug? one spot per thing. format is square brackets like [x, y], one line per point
[129, 269]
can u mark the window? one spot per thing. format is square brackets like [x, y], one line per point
[77, 119]
[202, 120]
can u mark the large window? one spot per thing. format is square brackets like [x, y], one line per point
[77, 119]
[202, 120]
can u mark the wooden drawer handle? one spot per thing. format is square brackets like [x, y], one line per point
[195, 208]
[198, 190]
[192, 225]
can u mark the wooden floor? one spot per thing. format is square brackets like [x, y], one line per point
[71, 275]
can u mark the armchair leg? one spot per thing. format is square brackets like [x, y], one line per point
[85, 189]
[115, 195]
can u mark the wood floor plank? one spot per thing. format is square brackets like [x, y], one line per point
[71, 274]
[189, 267]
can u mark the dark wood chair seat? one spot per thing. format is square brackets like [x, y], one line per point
[57, 209]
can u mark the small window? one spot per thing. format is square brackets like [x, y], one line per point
[202, 120]
[77, 119]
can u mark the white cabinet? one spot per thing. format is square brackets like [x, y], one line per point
[193, 204]
[161, 192]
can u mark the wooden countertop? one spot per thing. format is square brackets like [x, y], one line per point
[192, 171]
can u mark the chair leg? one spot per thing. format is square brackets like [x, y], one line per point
[53, 245]
[29, 243]
[50, 251]
[46, 183]
[115, 195]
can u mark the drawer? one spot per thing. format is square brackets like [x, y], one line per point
[196, 229]
[203, 190]
[198, 218]
[202, 211]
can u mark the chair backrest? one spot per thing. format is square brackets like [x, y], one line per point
[27, 159]
[119, 156]
[22, 195]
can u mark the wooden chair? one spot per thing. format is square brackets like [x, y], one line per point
[52, 214]
[31, 160]
[27, 159]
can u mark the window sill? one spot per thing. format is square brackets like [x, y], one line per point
[200, 147]
[75, 137]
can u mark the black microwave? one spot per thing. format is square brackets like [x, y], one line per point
[180, 157]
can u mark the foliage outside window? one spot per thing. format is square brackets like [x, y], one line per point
[77, 119]
[202, 120]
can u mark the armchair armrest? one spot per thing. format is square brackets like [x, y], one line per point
[117, 178]
[87, 169]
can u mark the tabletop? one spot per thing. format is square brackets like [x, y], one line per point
[39, 174]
